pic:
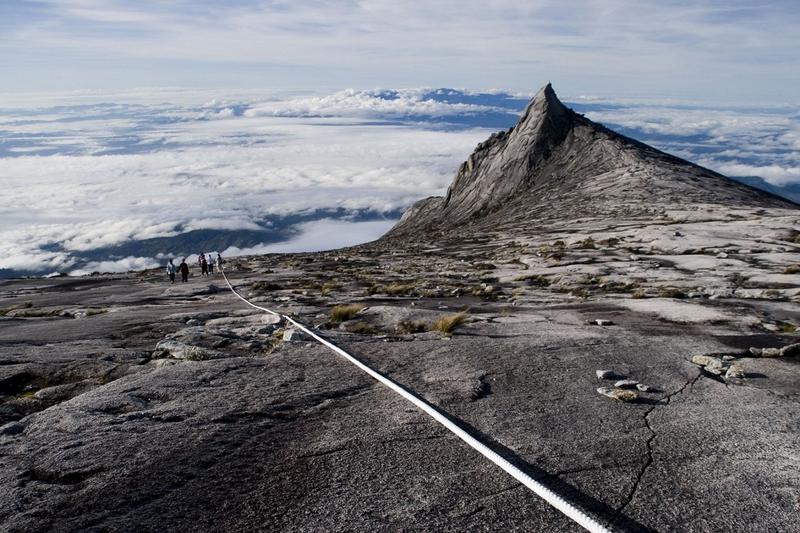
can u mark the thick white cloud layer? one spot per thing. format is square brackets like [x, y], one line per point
[325, 234]
[74, 184]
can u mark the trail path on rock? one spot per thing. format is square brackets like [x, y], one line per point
[569, 509]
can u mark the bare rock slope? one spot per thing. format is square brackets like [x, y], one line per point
[620, 324]
[555, 163]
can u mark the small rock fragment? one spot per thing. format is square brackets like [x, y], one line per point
[642, 387]
[771, 352]
[290, 334]
[618, 394]
[607, 374]
[626, 384]
[710, 364]
[192, 322]
[755, 352]
[603, 322]
[702, 360]
[728, 358]
[735, 372]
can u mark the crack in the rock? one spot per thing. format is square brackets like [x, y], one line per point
[649, 441]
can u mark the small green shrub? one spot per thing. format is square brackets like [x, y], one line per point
[342, 313]
[448, 323]
[326, 288]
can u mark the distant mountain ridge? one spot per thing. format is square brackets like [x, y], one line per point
[555, 163]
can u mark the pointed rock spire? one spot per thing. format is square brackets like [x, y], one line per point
[545, 104]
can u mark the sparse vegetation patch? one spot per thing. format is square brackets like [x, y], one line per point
[449, 323]
[342, 313]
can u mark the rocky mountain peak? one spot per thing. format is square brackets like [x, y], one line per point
[544, 106]
[557, 163]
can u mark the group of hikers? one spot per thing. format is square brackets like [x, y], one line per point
[206, 264]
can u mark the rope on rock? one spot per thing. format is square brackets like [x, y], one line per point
[570, 510]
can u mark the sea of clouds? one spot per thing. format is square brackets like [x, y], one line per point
[121, 181]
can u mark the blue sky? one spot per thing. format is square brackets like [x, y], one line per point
[700, 50]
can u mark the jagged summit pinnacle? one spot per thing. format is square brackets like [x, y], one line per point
[555, 163]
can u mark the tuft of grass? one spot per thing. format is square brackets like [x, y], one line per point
[738, 280]
[671, 292]
[580, 292]
[342, 313]
[786, 327]
[639, 294]
[326, 288]
[792, 269]
[412, 326]
[448, 323]
[6, 310]
[393, 289]
[619, 286]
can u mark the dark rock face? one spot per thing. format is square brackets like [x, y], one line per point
[556, 162]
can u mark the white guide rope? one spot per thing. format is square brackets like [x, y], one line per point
[545, 493]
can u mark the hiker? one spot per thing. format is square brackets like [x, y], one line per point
[184, 268]
[210, 265]
[171, 271]
[203, 264]
[219, 262]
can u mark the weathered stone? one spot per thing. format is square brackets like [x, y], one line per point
[290, 335]
[755, 352]
[703, 360]
[626, 384]
[642, 387]
[771, 352]
[712, 365]
[735, 372]
[63, 392]
[619, 394]
[603, 322]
